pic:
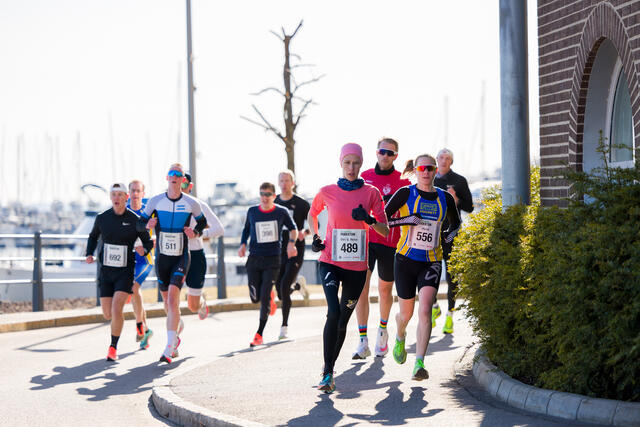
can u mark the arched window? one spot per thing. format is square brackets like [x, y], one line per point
[621, 131]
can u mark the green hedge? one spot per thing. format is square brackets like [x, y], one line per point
[554, 294]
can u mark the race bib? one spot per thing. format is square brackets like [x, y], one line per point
[425, 236]
[348, 245]
[114, 255]
[267, 231]
[171, 243]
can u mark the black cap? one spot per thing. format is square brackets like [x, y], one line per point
[188, 176]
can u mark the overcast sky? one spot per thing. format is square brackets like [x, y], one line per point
[86, 82]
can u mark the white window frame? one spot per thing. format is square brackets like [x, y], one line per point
[615, 78]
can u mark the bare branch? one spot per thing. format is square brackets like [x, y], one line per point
[298, 86]
[299, 98]
[277, 35]
[266, 125]
[267, 90]
[300, 115]
[297, 28]
[295, 55]
[301, 65]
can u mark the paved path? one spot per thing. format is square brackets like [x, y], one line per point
[59, 376]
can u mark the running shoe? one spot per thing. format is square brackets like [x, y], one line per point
[301, 285]
[167, 355]
[257, 340]
[327, 384]
[362, 352]
[448, 325]
[272, 304]
[419, 371]
[175, 353]
[144, 342]
[112, 354]
[139, 334]
[435, 313]
[382, 347]
[203, 312]
[399, 353]
[284, 333]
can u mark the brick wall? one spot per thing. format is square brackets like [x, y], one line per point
[569, 34]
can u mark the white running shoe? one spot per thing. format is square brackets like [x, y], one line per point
[303, 286]
[381, 343]
[203, 312]
[362, 352]
[284, 333]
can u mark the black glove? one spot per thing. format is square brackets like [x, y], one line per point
[359, 214]
[318, 244]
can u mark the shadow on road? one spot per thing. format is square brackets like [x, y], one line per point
[54, 350]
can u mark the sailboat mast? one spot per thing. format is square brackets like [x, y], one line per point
[192, 142]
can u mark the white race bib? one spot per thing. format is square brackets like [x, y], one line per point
[114, 255]
[348, 245]
[171, 243]
[267, 231]
[425, 236]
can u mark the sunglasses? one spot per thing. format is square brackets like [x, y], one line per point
[185, 185]
[266, 194]
[385, 152]
[429, 168]
[175, 173]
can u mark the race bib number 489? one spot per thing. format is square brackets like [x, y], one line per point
[348, 245]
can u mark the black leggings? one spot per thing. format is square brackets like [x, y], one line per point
[338, 312]
[452, 286]
[289, 268]
[262, 272]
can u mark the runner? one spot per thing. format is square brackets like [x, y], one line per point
[344, 250]
[117, 228]
[173, 211]
[195, 278]
[143, 267]
[423, 208]
[289, 267]
[264, 225]
[457, 186]
[383, 250]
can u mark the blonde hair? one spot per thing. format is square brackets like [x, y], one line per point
[136, 181]
[409, 168]
[177, 165]
[388, 141]
[288, 172]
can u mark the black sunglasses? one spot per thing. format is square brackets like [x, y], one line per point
[385, 152]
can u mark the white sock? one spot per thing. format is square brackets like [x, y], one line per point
[450, 313]
[171, 338]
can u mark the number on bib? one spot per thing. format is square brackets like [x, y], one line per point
[114, 255]
[425, 236]
[267, 231]
[348, 245]
[171, 243]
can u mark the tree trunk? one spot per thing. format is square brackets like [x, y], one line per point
[289, 140]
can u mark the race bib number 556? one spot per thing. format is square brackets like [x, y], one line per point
[348, 245]
[425, 236]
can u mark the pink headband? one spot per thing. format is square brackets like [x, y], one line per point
[350, 148]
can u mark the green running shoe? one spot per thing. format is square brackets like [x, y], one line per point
[448, 325]
[144, 342]
[327, 384]
[435, 313]
[419, 372]
[399, 353]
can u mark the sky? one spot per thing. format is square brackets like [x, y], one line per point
[95, 91]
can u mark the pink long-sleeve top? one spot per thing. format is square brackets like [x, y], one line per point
[347, 240]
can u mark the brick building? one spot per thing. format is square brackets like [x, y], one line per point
[589, 76]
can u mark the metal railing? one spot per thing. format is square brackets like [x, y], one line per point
[38, 259]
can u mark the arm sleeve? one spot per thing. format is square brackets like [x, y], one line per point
[215, 226]
[147, 243]
[377, 206]
[245, 230]
[304, 212]
[317, 205]
[141, 224]
[452, 214]
[92, 241]
[398, 199]
[465, 199]
[288, 221]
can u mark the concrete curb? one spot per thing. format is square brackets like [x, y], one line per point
[173, 407]
[557, 404]
[46, 319]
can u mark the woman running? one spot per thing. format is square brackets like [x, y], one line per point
[423, 208]
[344, 250]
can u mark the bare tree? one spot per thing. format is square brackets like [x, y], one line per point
[291, 120]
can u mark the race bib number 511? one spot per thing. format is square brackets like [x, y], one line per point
[348, 245]
[171, 243]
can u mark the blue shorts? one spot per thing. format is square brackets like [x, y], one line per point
[142, 270]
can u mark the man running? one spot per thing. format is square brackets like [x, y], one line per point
[198, 268]
[457, 186]
[173, 211]
[289, 267]
[117, 228]
[381, 249]
[143, 267]
[264, 225]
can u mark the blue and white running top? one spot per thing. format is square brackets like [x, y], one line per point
[173, 215]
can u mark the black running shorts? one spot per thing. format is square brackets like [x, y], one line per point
[172, 270]
[197, 270]
[385, 256]
[411, 274]
[111, 280]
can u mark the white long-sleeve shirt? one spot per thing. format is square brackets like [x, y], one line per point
[215, 227]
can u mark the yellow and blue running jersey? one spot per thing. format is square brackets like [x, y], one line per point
[422, 242]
